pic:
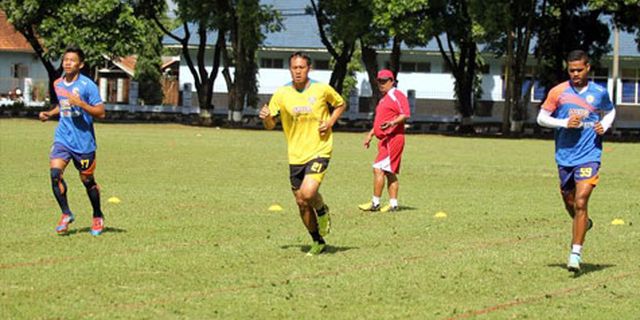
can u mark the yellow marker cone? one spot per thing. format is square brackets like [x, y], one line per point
[113, 200]
[617, 222]
[275, 207]
[440, 214]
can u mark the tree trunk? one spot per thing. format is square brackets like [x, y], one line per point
[340, 69]
[53, 73]
[369, 57]
[506, 113]
[394, 60]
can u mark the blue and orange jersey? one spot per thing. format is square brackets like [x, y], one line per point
[579, 145]
[75, 128]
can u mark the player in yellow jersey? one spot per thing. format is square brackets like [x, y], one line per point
[303, 109]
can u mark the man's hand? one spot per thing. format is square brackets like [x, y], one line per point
[75, 100]
[386, 125]
[323, 127]
[367, 141]
[598, 128]
[44, 116]
[264, 112]
[575, 121]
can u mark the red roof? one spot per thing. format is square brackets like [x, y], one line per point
[10, 39]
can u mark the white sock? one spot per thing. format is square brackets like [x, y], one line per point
[576, 248]
[375, 200]
[393, 202]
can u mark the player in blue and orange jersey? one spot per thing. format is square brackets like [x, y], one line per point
[581, 112]
[79, 103]
[388, 126]
[303, 109]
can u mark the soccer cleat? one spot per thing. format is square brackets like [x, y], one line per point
[97, 227]
[574, 262]
[389, 208]
[324, 222]
[63, 225]
[369, 206]
[316, 249]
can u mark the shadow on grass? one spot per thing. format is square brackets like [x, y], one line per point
[88, 229]
[329, 249]
[584, 267]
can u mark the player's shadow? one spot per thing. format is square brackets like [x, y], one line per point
[88, 229]
[584, 267]
[329, 249]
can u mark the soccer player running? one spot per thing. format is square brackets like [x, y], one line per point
[302, 106]
[79, 102]
[388, 127]
[574, 109]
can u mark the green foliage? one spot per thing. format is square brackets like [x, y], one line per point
[192, 237]
[148, 66]
[97, 26]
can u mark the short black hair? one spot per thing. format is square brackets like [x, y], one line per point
[75, 50]
[300, 54]
[577, 55]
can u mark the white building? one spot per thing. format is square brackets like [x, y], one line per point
[422, 70]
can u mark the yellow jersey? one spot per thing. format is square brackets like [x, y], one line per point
[300, 113]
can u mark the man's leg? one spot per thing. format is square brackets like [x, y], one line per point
[59, 187]
[569, 196]
[581, 217]
[93, 191]
[305, 196]
[378, 185]
[392, 187]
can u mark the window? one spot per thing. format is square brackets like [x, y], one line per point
[321, 65]
[272, 63]
[630, 79]
[424, 67]
[600, 76]
[19, 71]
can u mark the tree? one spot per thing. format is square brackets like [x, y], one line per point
[246, 20]
[454, 20]
[148, 65]
[340, 24]
[566, 26]
[203, 16]
[509, 26]
[98, 27]
[394, 22]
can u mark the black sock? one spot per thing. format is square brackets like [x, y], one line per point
[322, 211]
[317, 237]
[94, 196]
[60, 190]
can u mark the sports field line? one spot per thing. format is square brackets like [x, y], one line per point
[539, 297]
[338, 272]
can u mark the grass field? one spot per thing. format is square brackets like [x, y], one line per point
[192, 237]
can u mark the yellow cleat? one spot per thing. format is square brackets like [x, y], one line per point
[369, 207]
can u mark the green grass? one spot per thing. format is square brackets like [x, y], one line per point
[192, 237]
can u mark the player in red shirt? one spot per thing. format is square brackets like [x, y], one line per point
[388, 126]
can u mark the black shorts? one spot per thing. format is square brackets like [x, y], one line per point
[316, 168]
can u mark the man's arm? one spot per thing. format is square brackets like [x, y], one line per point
[606, 122]
[335, 115]
[367, 139]
[45, 115]
[267, 120]
[400, 119]
[96, 111]
[546, 120]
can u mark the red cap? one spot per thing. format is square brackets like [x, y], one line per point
[385, 74]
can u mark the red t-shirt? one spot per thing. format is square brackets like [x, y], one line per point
[393, 104]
